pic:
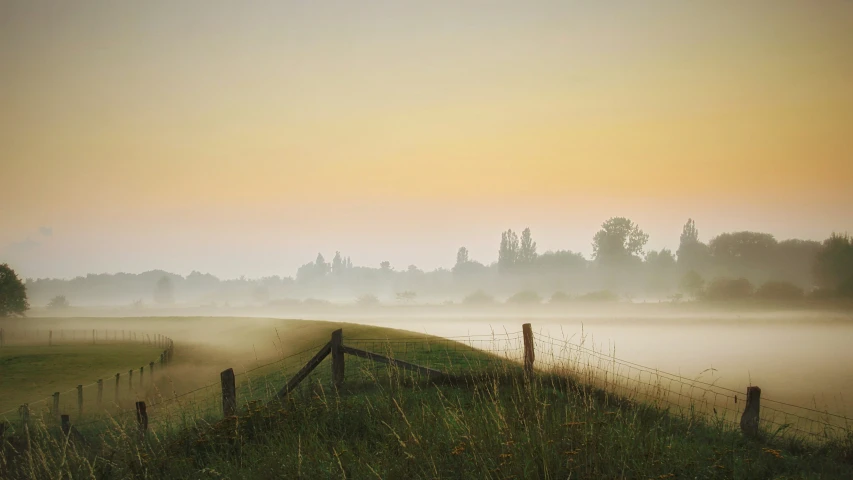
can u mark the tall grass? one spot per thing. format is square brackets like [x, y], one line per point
[488, 420]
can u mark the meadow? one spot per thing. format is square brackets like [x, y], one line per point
[487, 420]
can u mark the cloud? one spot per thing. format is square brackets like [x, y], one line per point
[46, 231]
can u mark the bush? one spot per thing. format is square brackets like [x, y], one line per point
[599, 296]
[316, 302]
[478, 298]
[58, 302]
[367, 299]
[526, 297]
[779, 291]
[560, 297]
[729, 289]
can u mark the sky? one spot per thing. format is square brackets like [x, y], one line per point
[242, 138]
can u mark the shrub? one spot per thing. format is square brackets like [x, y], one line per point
[560, 297]
[367, 299]
[526, 297]
[478, 298]
[316, 302]
[774, 290]
[599, 296]
[58, 302]
[729, 289]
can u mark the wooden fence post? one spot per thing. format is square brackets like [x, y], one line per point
[229, 393]
[80, 400]
[116, 392]
[130, 380]
[529, 354]
[151, 373]
[56, 404]
[100, 391]
[337, 358]
[66, 425]
[141, 419]
[142, 377]
[25, 414]
[751, 412]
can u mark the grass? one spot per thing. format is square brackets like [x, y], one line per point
[489, 421]
[36, 372]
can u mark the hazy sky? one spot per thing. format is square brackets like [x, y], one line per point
[244, 137]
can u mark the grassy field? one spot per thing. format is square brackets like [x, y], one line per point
[488, 421]
[30, 373]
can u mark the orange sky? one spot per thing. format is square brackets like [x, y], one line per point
[243, 138]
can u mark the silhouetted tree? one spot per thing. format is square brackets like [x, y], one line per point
[164, 291]
[692, 254]
[58, 302]
[729, 289]
[692, 283]
[527, 250]
[337, 264]
[833, 266]
[508, 252]
[560, 262]
[461, 256]
[13, 293]
[385, 266]
[618, 241]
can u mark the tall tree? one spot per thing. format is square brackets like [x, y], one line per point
[461, 257]
[508, 252]
[321, 266]
[385, 266]
[619, 241]
[13, 293]
[692, 254]
[337, 264]
[833, 267]
[527, 250]
[164, 292]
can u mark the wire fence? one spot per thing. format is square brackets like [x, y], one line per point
[201, 404]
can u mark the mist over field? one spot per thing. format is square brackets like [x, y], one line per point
[654, 188]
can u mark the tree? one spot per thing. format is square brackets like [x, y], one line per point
[58, 302]
[407, 296]
[692, 283]
[833, 265]
[742, 251]
[618, 241]
[337, 264]
[729, 289]
[560, 262]
[164, 292]
[322, 268]
[461, 257]
[692, 254]
[508, 252]
[13, 293]
[385, 266]
[527, 250]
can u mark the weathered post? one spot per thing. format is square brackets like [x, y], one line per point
[56, 404]
[66, 425]
[529, 355]
[751, 412]
[162, 355]
[25, 414]
[130, 380]
[80, 400]
[100, 391]
[141, 419]
[229, 393]
[151, 372]
[142, 377]
[337, 358]
[115, 399]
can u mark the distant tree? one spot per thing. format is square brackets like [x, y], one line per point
[413, 269]
[526, 297]
[385, 266]
[599, 296]
[349, 263]
[795, 260]
[508, 252]
[729, 289]
[13, 293]
[527, 251]
[261, 293]
[692, 283]
[58, 302]
[660, 266]
[618, 241]
[478, 298]
[560, 262]
[321, 266]
[164, 291]
[692, 254]
[338, 264]
[461, 256]
[744, 253]
[833, 265]
[775, 290]
[406, 296]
